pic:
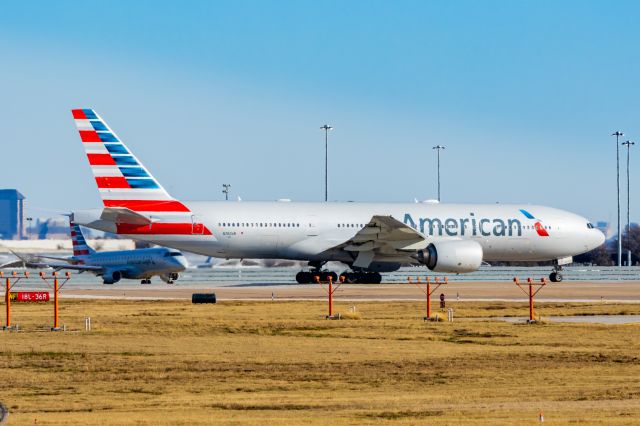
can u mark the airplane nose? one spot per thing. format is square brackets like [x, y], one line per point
[182, 261]
[599, 238]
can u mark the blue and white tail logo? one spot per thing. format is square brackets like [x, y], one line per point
[123, 181]
[80, 246]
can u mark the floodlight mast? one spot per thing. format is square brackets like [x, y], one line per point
[438, 148]
[326, 129]
[617, 134]
[628, 144]
[225, 190]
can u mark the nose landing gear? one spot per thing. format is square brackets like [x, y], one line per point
[556, 275]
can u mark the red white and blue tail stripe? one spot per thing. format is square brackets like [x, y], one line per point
[80, 246]
[123, 181]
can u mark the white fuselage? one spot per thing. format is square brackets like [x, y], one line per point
[136, 264]
[310, 231]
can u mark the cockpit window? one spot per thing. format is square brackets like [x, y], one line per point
[173, 253]
[590, 226]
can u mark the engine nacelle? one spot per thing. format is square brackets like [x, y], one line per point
[455, 256]
[111, 277]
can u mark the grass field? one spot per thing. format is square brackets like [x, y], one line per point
[282, 362]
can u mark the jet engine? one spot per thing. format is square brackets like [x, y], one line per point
[454, 256]
[111, 277]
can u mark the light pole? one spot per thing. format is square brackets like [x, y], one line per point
[438, 147]
[628, 144]
[225, 190]
[617, 134]
[29, 220]
[326, 129]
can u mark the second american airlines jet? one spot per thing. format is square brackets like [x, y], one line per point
[367, 237]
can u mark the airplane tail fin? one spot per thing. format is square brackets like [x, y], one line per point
[80, 246]
[123, 181]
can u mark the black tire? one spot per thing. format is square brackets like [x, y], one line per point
[376, 278]
[559, 277]
[554, 277]
[301, 277]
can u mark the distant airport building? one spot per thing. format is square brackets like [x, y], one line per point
[11, 214]
[51, 228]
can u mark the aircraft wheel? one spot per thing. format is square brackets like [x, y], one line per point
[351, 277]
[303, 277]
[555, 277]
[376, 278]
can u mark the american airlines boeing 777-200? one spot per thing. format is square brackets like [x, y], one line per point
[367, 237]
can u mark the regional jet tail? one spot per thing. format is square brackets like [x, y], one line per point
[112, 266]
[368, 238]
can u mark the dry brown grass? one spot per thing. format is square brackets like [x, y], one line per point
[282, 362]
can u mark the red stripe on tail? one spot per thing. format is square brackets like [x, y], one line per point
[112, 182]
[89, 136]
[78, 114]
[149, 205]
[101, 160]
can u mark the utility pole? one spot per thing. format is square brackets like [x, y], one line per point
[326, 129]
[29, 220]
[628, 144]
[617, 134]
[438, 147]
[225, 190]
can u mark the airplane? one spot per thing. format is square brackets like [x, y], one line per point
[369, 238]
[112, 266]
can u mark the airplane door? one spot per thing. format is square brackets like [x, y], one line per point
[197, 227]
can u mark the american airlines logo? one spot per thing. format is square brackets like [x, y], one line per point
[472, 226]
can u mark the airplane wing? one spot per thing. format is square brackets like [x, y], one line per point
[81, 268]
[35, 262]
[384, 237]
[23, 261]
[65, 259]
[14, 264]
[58, 266]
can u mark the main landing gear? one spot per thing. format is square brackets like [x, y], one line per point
[146, 281]
[304, 277]
[351, 277]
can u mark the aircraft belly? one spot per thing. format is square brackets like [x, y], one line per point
[202, 245]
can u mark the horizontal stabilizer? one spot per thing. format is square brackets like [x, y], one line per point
[124, 215]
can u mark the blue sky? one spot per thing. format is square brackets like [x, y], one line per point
[524, 95]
